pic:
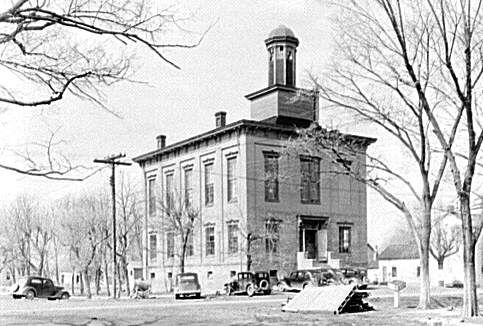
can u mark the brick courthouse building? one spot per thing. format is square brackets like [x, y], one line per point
[245, 188]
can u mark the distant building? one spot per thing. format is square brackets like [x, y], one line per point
[295, 215]
[401, 262]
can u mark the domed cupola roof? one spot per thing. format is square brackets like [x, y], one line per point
[281, 31]
[282, 34]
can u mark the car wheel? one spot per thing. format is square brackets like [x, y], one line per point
[197, 295]
[30, 294]
[177, 296]
[281, 286]
[264, 284]
[250, 290]
[65, 296]
[306, 285]
[228, 290]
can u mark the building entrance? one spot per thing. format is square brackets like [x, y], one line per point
[311, 243]
[313, 237]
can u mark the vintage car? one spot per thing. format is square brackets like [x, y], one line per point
[141, 289]
[41, 287]
[299, 280]
[249, 283]
[354, 275]
[187, 285]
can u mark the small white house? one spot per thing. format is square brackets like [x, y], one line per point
[401, 262]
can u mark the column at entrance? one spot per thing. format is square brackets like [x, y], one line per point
[322, 244]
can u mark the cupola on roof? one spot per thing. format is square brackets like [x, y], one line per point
[281, 31]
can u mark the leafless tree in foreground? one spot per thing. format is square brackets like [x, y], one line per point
[45, 159]
[54, 48]
[347, 156]
[419, 61]
[62, 46]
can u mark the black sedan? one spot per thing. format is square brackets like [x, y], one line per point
[41, 287]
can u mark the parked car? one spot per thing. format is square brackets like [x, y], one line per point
[354, 275]
[299, 280]
[141, 289]
[454, 284]
[249, 283]
[41, 287]
[187, 285]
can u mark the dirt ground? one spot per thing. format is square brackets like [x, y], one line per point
[237, 311]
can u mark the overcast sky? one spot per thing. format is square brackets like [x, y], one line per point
[229, 63]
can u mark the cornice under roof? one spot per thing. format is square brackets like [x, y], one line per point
[229, 127]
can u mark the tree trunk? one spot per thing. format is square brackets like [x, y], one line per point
[41, 265]
[56, 253]
[14, 276]
[98, 280]
[183, 255]
[28, 257]
[88, 284]
[106, 275]
[126, 276]
[470, 299]
[441, 263]
[119, 282]
[47, 267]
[81, 277]
[424, 296]
[72, 283]
[249, 255]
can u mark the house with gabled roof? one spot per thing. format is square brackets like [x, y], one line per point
[400, 261]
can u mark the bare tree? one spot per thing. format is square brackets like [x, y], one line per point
[251, 239]
[83, 232]
[41, 238]
[31, 229]
[53, 49]
[45, 159]
[9, 255]
[62, 47]
[130, 220]
[419, 62]
[346, 155]
[179, 218]
[445, 239]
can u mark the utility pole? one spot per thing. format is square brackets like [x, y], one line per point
[113, 160]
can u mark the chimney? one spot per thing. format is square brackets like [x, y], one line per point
[220, 118]
[161, 141]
